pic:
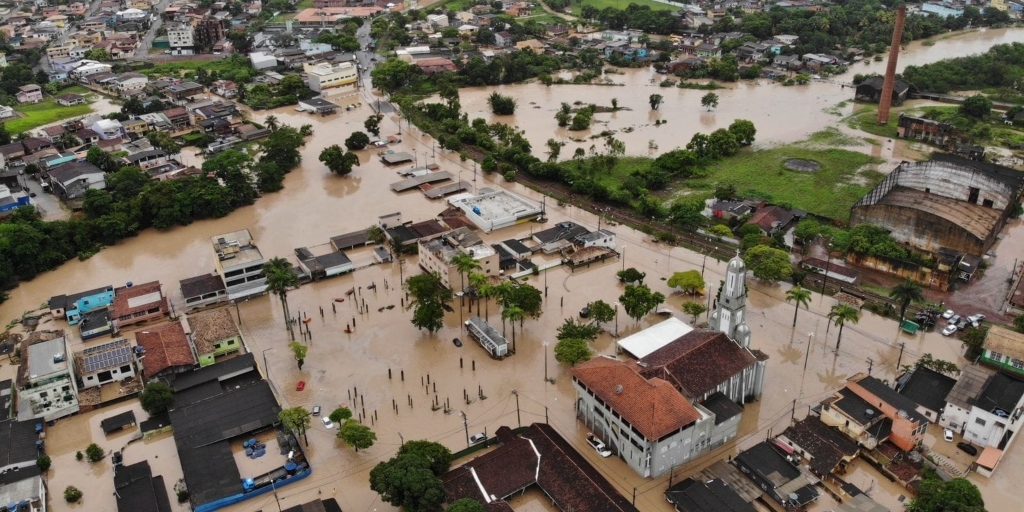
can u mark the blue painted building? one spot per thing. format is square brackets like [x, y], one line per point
[72, 307]
[942, 10]
[9, 201]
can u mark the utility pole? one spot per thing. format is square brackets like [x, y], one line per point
[871, 363]
[518, 418]
[402, 438]
[792, 415]
[900, 358]
[465, 425]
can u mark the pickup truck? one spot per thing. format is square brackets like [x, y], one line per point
[601, 449]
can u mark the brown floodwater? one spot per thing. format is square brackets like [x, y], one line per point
[352, 369]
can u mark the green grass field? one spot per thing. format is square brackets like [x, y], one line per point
[829, 192]
[304, 4]
[622, 4]
[43, 113]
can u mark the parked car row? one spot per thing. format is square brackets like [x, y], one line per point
[956, 322]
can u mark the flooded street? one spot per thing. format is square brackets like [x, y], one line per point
[353, 369]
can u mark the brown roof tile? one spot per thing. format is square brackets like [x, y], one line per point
[124, 294]
[165, 346]
[559, 470]
[210, 327]
[652, 406]
[697, 362]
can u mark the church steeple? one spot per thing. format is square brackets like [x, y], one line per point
[730, 312]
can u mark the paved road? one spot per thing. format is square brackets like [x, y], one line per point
[147, 41]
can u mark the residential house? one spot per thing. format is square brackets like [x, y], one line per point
[771, 219]
[767, 464]
[53, 133]
[35, 144]
[137, 304]
[178, 117]
[30, 93]
[239, 264]
[148, 159]
[135, 129]
[184, 91]
[699, 495]
[436, 254]
[535, 458]
[928, 389]
[730, 209]
[869, 412]
[519, 10]
[108, 129]
[203, 290]
[25, 486]
[645, 422]
[225, 88]
[996, 411]
[825, 449]
[70, 99]
[503, 39]
[71, 307]
[165, 350]
[106, 363]
[87, 136]
[709, 51]
[46, 382]
[70, 181]
[129, 83]
[87, 68]
[1004, 350]
[433, 65]
[96, 324]
[213, 334]
[438, 21]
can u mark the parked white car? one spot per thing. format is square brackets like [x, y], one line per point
[598, 446]
[949, 330]
[327, 422]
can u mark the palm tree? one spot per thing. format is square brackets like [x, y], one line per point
[906, 292]
[271, 122]
[799, 297]
[464, 264]
[279, 279]
[479, 283]
[513, 314]
[840, 314]
[503, 292]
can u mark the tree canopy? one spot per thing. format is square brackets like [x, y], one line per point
[356, 435]
[570, 328]
[571, 351]
[411, 479]
[768, 263]
[338, 160]
[156, 398]
[430, 300]
[690, 281]
[639, 300]
[956, 495]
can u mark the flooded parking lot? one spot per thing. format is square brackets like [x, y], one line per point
[353, 369]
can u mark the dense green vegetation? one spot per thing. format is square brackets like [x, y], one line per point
[43, 113]
[133, 202]
[1002, 66]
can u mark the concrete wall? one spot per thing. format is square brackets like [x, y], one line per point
[919, 229]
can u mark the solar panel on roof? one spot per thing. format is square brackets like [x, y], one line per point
[106, 356]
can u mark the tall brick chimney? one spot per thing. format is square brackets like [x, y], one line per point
[885, 102]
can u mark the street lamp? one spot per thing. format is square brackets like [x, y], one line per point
[545, 361]
[616, 319]
[828, 263]
[266, 369]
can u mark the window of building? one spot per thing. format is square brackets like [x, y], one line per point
[979, 421]
[995, 356]
[1017, 363]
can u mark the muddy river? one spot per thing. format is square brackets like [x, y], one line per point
[316, 205]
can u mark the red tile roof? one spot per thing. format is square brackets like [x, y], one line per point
[166, 346]
[697, 362]
[540, 456]
[652, 406]
[124, 294]
[765, 218]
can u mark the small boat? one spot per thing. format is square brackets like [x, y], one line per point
[307, 320]
[300, 386]
[339, 300]
[350, 292]
[348, 330]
